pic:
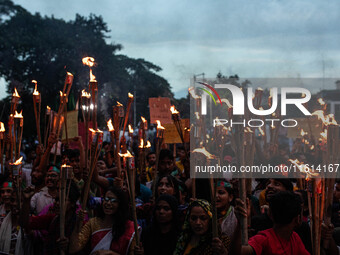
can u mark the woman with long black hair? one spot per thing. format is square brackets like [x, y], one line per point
[110, 230]
[161, 236]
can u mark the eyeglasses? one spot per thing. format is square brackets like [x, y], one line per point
[110, 199]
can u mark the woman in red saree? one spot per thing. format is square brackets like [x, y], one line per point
[110, 230]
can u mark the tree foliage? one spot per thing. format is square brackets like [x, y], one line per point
[45, 48]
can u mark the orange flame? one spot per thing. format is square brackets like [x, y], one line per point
[130, 129]
[324, 134]
[92, 77]
[303, 133]
[125, 155]
[173, 110]
[119, 104]
[192, 93]
[141, 144]
[48, 108]
[226, 101]
[95, 131]
[15, 94]
[110, 126]
[2, 127]
[35, 92]
[321, 102]
[218, 123]
[331, 120]
[85, 94]
[16, 163]
[303, 168]
[204, 152]
[130, 95]
[159, 126]
[65, 166]
[18, 115]
[321, 115]
[261, 131]
[88, 61]
[148, 144]
[248, 130]
[143, 119]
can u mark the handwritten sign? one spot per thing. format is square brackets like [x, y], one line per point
[171, 135]
[72, 125]
[160, 110]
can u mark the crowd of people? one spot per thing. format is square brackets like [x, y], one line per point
[170, 220]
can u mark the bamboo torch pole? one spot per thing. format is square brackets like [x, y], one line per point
[97, 136]
[62, 197]
[160, 137]
[37, 108]
[2, 146]
[130, 100]
[131, 172]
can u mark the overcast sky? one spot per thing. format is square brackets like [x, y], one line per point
[262, 38]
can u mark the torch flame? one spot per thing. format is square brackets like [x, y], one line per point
[125, 155]
[261, 131]
[173, 110]
[18, 162]
[65, 166]
[110, 126]
[303, 133]
[92, 77]
[85, 94]
[192, 93]
[248, 130]
[48, 108]
[119, 104]
[18, 115]
[159, 126]
[321, 115]
[130, 95]
[95, 131]
[2, 127]
[324, 134]
[303, 168]
[35, 92]
[92, 130]
[143, 119]
[88, 61]
[15, 94]
[321, 102]
[204, 152]
[226, 101]
[330, 120]
[130, 129]
[141, 144]
[148, 144]
[218, 123]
